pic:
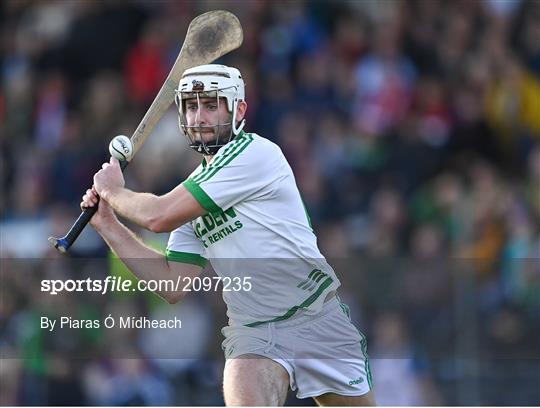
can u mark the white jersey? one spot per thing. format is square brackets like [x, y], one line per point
[256, 228]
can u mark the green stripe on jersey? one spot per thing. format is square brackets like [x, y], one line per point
[305, 284]
[307, 213]
[317, 274]
[228, 155]
[306, 303]
[320, 277]
[200, 195]
[225, 159]
[186, 257]
[226, 149]
[208, 167]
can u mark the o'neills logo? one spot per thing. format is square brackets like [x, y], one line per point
[197, 85]
[359, 380]
[125, 147]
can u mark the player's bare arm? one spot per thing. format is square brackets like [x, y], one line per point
[155, 213]
[131, 250]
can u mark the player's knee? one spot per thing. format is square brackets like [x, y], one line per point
[255, 381]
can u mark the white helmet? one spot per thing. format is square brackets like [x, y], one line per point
[211, 81]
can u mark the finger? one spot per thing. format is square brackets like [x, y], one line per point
[87, 198]
[91, 194]
[105, 165]
[85, 203]
[114, 161]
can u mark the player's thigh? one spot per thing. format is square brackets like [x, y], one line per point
[254, 380]
[331, 399]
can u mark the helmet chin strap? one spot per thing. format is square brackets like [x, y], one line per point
[199, 147]
[236, 129]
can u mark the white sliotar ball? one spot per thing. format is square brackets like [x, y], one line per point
[121, 148]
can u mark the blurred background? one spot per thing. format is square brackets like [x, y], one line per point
[413, 129]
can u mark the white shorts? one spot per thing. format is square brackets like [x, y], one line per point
[322, 353]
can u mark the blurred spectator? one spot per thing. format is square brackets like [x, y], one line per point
[384, 82]
[401, 377]
[413, 129]
[146, 67]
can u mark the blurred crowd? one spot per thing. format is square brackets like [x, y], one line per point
[413, 129]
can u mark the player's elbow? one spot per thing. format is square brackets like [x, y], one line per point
[159, 224]
[164, 221]
[155, 226]
[173, 210]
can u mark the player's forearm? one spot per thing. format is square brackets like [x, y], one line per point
[140, 208]
[155, 213]
[124, 242]
[144, 262]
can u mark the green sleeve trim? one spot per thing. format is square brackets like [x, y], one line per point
[200, 195]
[186, 257]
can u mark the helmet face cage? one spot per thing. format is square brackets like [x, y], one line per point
[223, 129]
[219, 82]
